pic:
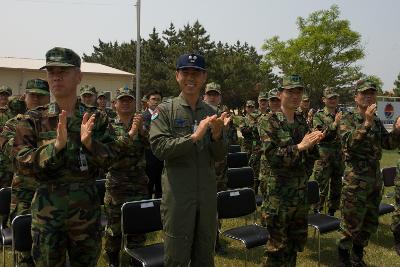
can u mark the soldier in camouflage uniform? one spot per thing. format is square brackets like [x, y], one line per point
[23, 187]
[288, 147]
[126, 179]
[62, 145]
[363, 137]
[244, 127]
[88, 94]
[255, 156]
[395, 227]
[5, 115]
[328, 170]
[274, 104]
[102, 104]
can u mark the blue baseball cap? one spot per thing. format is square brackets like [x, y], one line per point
[194, 61]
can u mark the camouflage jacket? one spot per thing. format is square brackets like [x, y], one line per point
[324, 121]
[5, 115]
[34, 146]
[131, 161]
[279, 140]
[249, 130]
[361, 144]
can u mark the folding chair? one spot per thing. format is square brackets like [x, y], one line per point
[234, 149]
[321, 223]
[388, 174]
[6, 235]
[237, 160]
[238, 203]
[240, 178]
[21, 235]
[148, 212]
[101, 191]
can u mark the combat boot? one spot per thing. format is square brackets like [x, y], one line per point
[113, 259]
[397, 242]
[344, 258]
[357, 256]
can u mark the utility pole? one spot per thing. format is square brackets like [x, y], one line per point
[137, 74]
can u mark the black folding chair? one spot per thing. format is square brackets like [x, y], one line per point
[389, 175]
[238, 203]
[21, 235]
[321, 223]
[237, 160]
[6, 235]
[234, 149]
[101, 191]
[240, 178]
[141, 217]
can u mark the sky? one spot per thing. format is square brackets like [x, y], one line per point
[31, 27]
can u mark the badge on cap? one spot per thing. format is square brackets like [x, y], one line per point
[192, 59]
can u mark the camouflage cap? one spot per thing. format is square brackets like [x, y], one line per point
[250, 103]
[5, 89]
[125, 91]
[62, 57]
[16, 105]
[101, 94]
[88, 89]
[213, 87]
[364, 85]
[144, 98]
[37, 86]
[305, 97]
[273, 94]
[262, 96]
[292, 81]
[330, 92]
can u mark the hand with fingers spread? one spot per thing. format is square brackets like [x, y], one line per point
[338, 117]
[310, 139]
[227, 120]
[201, 129]
[136, 125]
[370, 115]
[86, 130]
[62, 134]
[217, 125]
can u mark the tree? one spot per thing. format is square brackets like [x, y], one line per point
[396, 89]
[324, 53]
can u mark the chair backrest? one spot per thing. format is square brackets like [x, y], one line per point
[21, 233]
[240, 177]
[140, 217]
[313, 192]
[237, 160]
[235, 203]
[101, 189]
[389, 174]
[5, 199]
[234, 149]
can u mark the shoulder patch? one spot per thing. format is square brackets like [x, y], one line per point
[154, 115]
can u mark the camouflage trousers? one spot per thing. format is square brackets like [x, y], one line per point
[66, 219]
[264, 174]
[116, 195]
[396, 214]
[361, 196]
[328, 172]
[285, 212]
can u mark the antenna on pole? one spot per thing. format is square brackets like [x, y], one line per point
[137, 74]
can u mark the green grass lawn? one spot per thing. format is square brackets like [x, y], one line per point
[379, 253]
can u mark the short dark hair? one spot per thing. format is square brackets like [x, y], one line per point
[153, 92]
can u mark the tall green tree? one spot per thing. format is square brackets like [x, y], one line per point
[396, 89]
[324, 53]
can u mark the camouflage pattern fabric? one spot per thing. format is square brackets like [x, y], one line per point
[5, 166]
[362, 188]
[65, 208]
[285, 208]
[395, 226]
[126, 181]
[328, 170]
[247, 129]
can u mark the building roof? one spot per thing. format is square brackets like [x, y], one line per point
[35, 64]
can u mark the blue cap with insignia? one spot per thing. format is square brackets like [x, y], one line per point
[193, 61]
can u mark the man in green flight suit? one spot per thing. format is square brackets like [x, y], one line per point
[63, 145]
[186, 133]
[363, 138]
